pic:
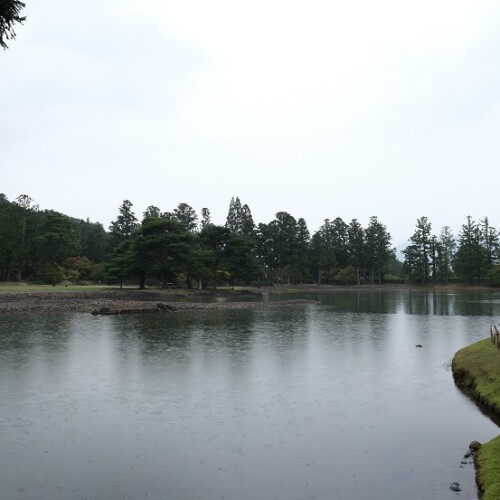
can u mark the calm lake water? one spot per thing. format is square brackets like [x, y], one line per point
[324, 401]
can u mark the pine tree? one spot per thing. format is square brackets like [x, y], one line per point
[378, 250]
[10, 11]
[186, 215]
[234, 220]
[356, 247]
[490, 243]
[126, 222]
[151, 212]
[247, 223]
[421, 252]
[446, 249]
[470, 260]
[205, 218]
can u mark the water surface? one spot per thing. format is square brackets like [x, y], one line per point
[322, 401]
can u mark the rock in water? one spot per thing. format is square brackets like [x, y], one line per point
[474, 446]
[455, 486]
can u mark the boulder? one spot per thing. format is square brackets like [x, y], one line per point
[474, 446]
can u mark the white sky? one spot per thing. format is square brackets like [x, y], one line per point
[322, 109]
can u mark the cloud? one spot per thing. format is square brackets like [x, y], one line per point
[281, 70]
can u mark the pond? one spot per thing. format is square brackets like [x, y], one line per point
[321, 401]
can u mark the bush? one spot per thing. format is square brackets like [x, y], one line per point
[50, 274]
[494, 276]
[347, 276]
[395, 280]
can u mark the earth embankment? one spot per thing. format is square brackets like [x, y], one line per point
[476, 371]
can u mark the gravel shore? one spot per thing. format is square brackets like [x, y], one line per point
[118, 300]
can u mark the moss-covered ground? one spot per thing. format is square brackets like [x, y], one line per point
[476, 370]
[488, 469]
[477, 367]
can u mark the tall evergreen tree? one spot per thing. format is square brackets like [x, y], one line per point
[95, 242]
[247, 223]
[356, 248]
[56, 241]
[318, 256]
[151, 212]
[239, 259]
[23, 215]
[213, 241]
[187, 216]
[126, 222]
[302, 253]
[490, 243]
[206, 218]
[277, 245]
[330, 249]
[57, 238]
[339, 238]
[378, 249]
[470, 260]
[446, 248]
[164, 248]
[323, 255]
[233, 219]
[419, 254]
[122, 261]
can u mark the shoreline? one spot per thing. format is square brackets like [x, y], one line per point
[32, 298]
[127, 301]
[21, 298]
[476, 372]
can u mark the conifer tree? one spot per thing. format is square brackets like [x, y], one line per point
[470, 262]
[186, 215]
[126, 222]
[234, 216]
[206, 218]
[378, 249]
[421, 251]
[356, 247]
[10, 11]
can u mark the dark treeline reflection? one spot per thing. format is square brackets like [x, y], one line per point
[470, 303]
[442, 304]
[37, 331]
[175, 334]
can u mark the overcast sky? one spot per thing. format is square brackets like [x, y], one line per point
[322, 109]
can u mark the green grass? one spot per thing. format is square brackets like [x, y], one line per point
[481, 361]
[477, 367]
[24, 287]
[488, 469]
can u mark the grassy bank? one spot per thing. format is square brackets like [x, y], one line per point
[488, 469]
[476, 370]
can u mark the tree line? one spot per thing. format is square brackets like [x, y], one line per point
[472, 258]
[178, 248]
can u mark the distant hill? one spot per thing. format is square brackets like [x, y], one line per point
[399, 250]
